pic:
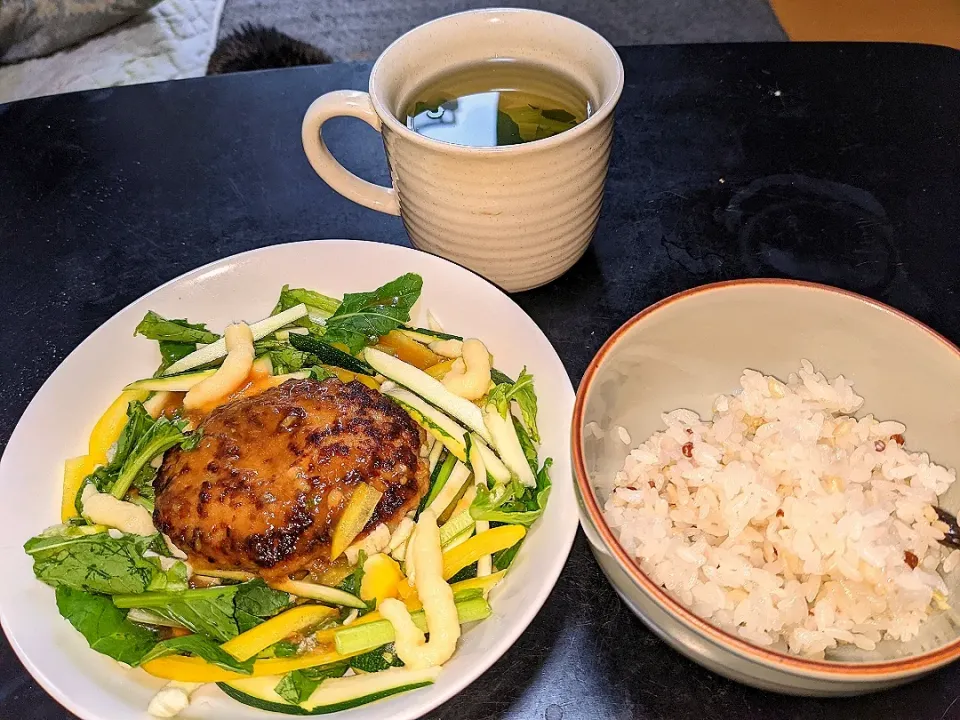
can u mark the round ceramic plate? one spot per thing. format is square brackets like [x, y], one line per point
[57, 422]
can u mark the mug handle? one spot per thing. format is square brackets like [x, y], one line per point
[344, 103]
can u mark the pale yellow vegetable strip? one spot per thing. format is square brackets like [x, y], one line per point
[259, 638]
[482, 583]
[355, 516]
[75, 470]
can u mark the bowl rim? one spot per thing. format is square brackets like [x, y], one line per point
[591, 508]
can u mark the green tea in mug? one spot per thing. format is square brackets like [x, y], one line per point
[497, 102]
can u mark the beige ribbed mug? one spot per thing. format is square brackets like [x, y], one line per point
[520, 215]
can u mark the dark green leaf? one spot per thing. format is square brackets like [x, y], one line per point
[363, 317]
[508, 132]
[504, 558]
[207, 611]
[202, 647]
[295, 687]
[105, 627]
[171, 352]
[162, 435]
[288, 359]
[378, 659]
[156, 327]
[93, 563]
[256, 598]
[351, 583]
[139, 422]
[282, 649]
[559, 115]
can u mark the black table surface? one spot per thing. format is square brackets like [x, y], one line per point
[835, 163]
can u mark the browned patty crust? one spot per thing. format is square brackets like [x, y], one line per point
[264, 488]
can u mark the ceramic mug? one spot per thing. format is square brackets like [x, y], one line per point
[520, 215]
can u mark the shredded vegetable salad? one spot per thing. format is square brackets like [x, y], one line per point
[382, 605]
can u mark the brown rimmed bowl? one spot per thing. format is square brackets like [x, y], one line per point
[691, 347]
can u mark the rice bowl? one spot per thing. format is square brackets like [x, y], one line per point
[688, 350]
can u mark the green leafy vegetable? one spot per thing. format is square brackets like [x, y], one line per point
[94, 563]
[502, 559]
[376, 660]
[207, 611]
[177, 338]
[297, 686]
[320, 373]
[523, 394]
[141, 440]
[162, 435]
[288, 359]
[351, 583]
[171, 352]
[362, 317]
[282, 649]
[104, 626]
[156, 327]
[174, 579]
[319, 306]
[255, 602]
[202, 647]
[512, 503]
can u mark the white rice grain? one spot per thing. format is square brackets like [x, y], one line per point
[785, 519]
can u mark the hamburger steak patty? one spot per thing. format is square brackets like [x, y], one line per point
[264, 488]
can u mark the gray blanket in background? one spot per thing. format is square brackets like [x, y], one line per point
[34, 28]
[361, 29]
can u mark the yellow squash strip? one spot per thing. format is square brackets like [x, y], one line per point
[440, 369]
[486, 543]
[108, 427]
[410, 351]
[74, 472]
[381, 575]
[104, 434]
[482, 583]
[194, 669]
[408, 594]
[248, 644]
[355, 517]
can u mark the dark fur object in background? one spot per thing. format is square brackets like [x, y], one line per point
[255, 47]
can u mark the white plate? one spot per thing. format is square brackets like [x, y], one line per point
[57, 423]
